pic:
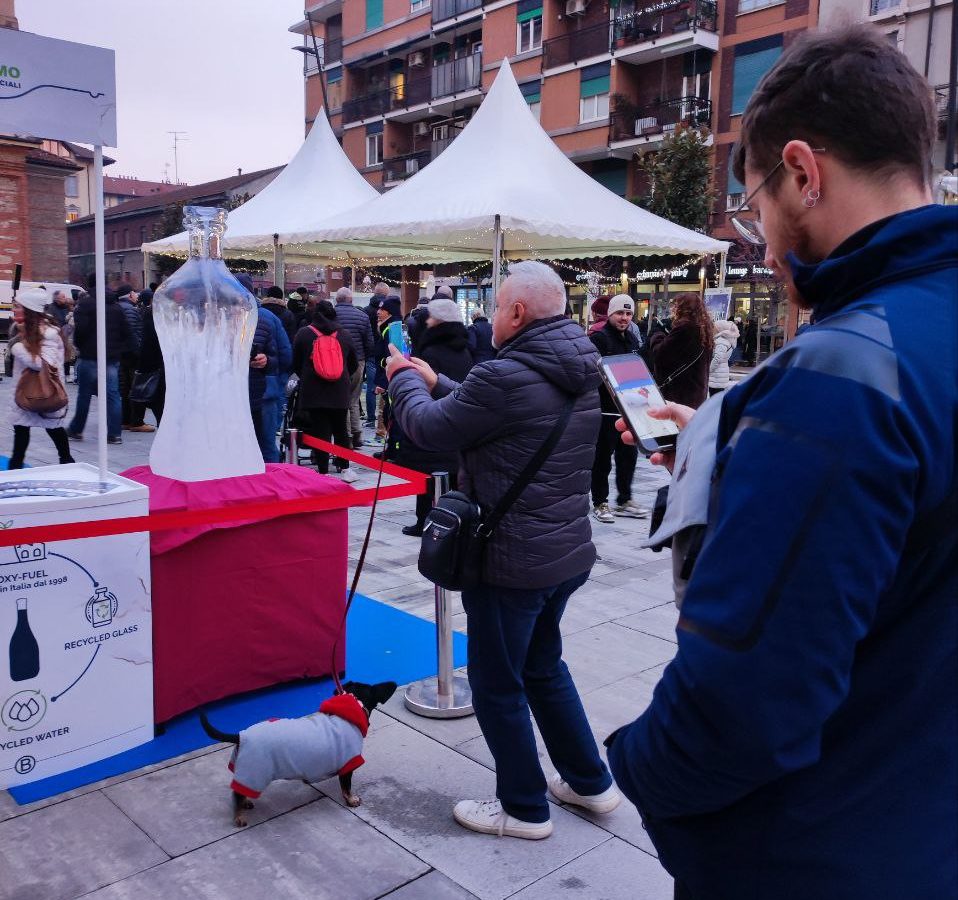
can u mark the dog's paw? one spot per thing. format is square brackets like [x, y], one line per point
[247, 804]
[353, 801]
[240, 822]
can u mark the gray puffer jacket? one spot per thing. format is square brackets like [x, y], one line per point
[497, 418]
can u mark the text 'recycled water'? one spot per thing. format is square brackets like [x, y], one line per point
[205, 321]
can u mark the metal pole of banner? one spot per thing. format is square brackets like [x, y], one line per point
[496, 266]
[100, 268]
[723, 262]
[447, 696]
[292, 448]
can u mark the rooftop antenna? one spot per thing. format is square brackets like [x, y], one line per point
[178, 136]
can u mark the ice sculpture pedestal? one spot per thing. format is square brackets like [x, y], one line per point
[237, 606]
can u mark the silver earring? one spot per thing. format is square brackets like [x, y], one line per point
[811, 198]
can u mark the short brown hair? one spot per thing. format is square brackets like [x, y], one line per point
[849, 91]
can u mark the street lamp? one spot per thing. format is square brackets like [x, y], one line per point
[320, 69]
[119, 259]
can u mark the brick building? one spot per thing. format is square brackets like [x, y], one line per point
[608, 79]
[132, 223]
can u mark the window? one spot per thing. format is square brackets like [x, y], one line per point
[416, 5]
[529, 26]
[752, 61]
[735, 192]
[880, 6]
[374, 14]
[532, 91]
[594, 93]
[374, 149]
[143, 234]
[611, 174]
[73, 213]
[745, 6]
[72, 186]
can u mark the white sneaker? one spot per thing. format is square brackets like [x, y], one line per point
[488, 817]
[349, 476]
[602, 512]
[605, 802]
[632, 509]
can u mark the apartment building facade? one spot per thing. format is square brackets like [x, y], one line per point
[609, 80]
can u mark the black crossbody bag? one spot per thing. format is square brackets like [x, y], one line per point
[456, 533]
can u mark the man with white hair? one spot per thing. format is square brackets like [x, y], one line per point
[356, 323]
[498, 418]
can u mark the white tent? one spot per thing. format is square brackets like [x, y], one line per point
[502, 178]
[319, 181]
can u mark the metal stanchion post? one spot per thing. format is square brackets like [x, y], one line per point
[292, 448]
[447, 696]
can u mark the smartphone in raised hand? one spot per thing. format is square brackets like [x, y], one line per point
[634, 390]
[397, 336]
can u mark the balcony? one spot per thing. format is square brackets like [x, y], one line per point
[418, 98]
[575, 46]
[453, 9]
[399, 168]
[332, 51]
[630, 128]
[655, 31]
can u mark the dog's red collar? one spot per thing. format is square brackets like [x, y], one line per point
[347, 707]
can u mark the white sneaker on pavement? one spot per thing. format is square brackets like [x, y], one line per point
[630, 508]
[602, 512]
[605, 802]
[349, 476]
[488, 817]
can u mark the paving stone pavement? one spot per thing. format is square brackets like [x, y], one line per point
[166, 831]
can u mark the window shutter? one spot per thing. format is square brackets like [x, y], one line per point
[534, 13]
[374, 14]
[752, 61]
[532, 91]
[594, 80]
[734, 185]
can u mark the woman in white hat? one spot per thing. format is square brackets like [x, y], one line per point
[38, 340]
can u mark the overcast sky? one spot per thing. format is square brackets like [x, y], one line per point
[221, 71]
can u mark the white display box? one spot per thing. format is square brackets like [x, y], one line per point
[77, 684]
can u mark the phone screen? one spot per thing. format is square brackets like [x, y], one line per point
[635, 390]
[396, 335]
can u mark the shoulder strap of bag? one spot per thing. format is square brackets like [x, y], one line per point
[488, 525]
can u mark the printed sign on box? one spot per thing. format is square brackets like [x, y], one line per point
[56, 89]
[76, 685]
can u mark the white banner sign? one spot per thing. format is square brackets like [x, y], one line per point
[56, 89]
[76, 684]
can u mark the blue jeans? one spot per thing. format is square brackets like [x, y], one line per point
[272, 413]
[515, 665]
[370, 391]
[86, 388]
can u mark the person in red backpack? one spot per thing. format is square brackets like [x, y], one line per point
[324, 358]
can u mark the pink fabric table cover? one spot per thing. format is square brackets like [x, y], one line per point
[240, 606]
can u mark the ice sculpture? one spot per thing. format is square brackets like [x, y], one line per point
[205, 320]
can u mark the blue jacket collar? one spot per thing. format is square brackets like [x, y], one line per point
[903, 245]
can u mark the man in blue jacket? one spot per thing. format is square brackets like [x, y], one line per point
[804, 741]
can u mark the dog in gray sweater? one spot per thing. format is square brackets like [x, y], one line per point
[327, 742]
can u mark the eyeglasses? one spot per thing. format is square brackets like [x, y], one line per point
[751, 229]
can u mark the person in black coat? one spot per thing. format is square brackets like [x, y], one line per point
[480, 338]
[151, 360]
[276, 304]
[682, 355]
[323, 405]
[444, 347]
[614, 339]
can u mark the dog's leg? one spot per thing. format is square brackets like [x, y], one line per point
[240, 805]
[346, 786]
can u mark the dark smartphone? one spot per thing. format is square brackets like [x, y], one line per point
[255, 351]
[631, 384]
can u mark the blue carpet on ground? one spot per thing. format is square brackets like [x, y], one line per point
[384, 644]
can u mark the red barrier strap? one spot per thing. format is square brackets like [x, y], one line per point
[242, 513]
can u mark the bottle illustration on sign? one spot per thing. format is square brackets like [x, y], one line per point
[101, 607]
[24, 651]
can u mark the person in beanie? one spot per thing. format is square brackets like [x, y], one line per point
[380, 293]
[480, 338]
[600, 312]
[613, 339]
[388, 311]
[445, 349]
[276, 303]
[37, 342]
